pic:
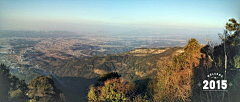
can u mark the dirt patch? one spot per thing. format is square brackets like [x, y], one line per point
[99, 71]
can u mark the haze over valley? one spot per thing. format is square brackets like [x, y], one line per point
[102, 50]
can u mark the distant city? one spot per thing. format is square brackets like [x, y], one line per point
[14, 45]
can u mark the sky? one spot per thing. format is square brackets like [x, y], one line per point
[118, 15]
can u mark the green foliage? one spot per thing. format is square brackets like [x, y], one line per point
[237, 61]
[233, 25]
[42, 89]
[140, 98]
[192, 45]
[15, 93]
[5, 83]
[219, 62]
[18, 96]
[107, 76]
[144, 89]
[112, 89]
[91, 94]
[18, 90]
[108, 93]
[11, 87]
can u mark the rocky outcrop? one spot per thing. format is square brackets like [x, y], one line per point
[148, 51]
[178, 51]
[99, 71]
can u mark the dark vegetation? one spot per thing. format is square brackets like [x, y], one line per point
[11, 87]
[26, 73]
[40, 89]
[105, 77]
[84, 47]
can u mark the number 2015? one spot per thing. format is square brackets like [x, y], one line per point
[212, 84]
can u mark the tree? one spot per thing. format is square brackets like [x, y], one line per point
[225, 59]
[5, 83]
[112, 89]
[12, 89]
[231, 40]
[232, 25]
[18, 90]
[107, 76]
[237, 61]
[174, 82]
[42, 89]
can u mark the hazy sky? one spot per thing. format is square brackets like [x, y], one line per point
[117, 15]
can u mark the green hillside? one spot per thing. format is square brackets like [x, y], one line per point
[129, 65]
[79, 74]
